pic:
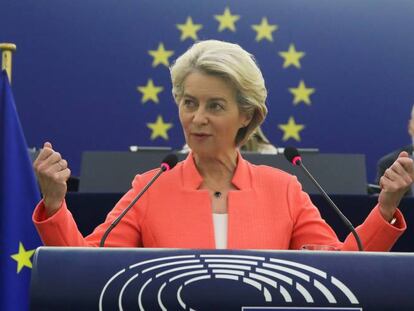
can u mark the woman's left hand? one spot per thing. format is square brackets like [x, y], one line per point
[395, 182]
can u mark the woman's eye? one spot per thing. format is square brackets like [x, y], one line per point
[216, 107]
[188, 103]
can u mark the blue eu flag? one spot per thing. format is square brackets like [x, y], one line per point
[19, 193]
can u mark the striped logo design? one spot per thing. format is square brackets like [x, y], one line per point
[162, 282]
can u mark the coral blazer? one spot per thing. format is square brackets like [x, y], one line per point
[268, 210]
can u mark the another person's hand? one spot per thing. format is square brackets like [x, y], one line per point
[395, 182]
[52, 173]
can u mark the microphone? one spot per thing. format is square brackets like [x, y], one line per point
[168, 163]
[293, 156]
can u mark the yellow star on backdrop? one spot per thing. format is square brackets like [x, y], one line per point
[292, 57]
[160, 55]
[302, 93]
[227, 20]
[264, 30]
[150, 91]
[23, 257]
[189, 29]
[291, 129]
[159, 128]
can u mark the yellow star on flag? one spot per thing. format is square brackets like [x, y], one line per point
[150, 91]
[292, 57]
[264, 30]
[23, 257]
[291, 129]
[160, 55]
[189, 29]
[302, 93]
[227, 20]
[159, 128]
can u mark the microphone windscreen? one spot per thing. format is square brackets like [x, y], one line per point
[170, 160]
[291, 154]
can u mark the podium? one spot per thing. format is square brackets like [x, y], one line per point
[250, 280]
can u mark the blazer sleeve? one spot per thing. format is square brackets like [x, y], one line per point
[309, 228]
[61, 230]
[376, 233]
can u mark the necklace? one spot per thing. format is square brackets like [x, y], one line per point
[217, 194]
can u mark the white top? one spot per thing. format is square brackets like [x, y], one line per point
[220, 230]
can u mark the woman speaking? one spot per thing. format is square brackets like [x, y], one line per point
[215, 198]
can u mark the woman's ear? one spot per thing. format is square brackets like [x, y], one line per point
[247, 119]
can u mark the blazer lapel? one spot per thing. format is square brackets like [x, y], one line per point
[241, 211]
[198, 214]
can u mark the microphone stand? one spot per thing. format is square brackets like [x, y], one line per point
[118, 219]
[336, 209]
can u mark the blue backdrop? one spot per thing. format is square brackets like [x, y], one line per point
[82, 70]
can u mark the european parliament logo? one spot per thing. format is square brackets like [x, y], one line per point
[298, 309]
[261, 35]
[199, 281]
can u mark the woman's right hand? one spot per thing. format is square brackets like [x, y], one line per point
[52, 173]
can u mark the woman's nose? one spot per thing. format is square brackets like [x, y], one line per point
[200, 117]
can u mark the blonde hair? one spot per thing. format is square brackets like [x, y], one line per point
[256, 141]
[232, 63]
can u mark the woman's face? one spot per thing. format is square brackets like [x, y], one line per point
[209, 114]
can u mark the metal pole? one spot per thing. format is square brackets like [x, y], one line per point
[7, 50]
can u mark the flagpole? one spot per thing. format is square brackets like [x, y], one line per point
[7, 50]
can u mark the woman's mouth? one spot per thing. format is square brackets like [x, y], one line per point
[200, 136]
